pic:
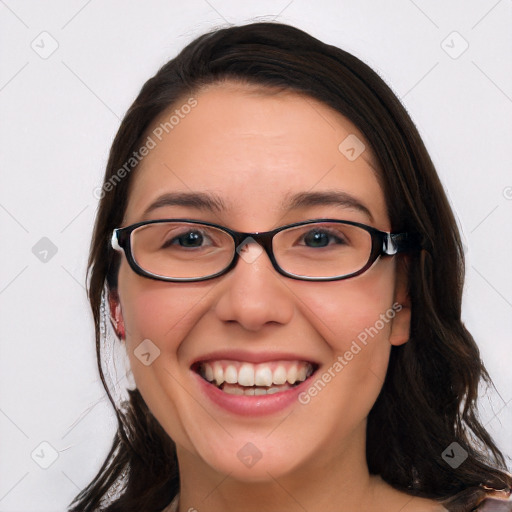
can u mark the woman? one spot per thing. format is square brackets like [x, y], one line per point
[279, 258]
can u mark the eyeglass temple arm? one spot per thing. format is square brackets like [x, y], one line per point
[394, 243]
[114, 242]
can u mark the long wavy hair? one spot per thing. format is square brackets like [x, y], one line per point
[428, 399]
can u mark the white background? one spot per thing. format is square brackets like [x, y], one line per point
[58, 116]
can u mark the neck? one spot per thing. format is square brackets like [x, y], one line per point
[333, 477]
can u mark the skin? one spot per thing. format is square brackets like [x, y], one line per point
[252, 149]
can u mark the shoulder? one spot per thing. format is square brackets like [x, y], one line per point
[415, 504]
[495, 504]
[389, 498]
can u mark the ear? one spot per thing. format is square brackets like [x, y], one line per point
[116, 315]
[401, 325]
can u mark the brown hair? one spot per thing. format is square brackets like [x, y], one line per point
[428, 399]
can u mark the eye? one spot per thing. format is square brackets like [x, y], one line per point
[321, 238]
[190, 239]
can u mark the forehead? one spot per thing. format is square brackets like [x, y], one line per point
[254, 150]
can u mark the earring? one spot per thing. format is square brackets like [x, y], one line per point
[103, 318]
[116, 349]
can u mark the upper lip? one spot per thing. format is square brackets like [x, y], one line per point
[252, 357]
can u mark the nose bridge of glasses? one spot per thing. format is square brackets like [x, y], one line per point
[263, 241]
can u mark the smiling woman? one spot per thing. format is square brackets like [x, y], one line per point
[286, 260]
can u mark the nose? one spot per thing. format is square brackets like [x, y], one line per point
[253, 294]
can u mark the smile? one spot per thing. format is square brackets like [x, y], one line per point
[243, 378]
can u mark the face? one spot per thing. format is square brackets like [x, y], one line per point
[253, 151]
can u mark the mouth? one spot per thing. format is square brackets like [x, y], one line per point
[244, 378]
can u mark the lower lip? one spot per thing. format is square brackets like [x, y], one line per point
[252, 405]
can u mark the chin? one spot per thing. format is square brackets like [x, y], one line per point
[256, 460]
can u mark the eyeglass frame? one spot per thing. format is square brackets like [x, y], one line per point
[383, 243]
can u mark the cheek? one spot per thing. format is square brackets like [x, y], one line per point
[354, 319]
[163, 313]
[159, 311]
[355, 315]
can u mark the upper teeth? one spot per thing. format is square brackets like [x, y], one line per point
[248, 374]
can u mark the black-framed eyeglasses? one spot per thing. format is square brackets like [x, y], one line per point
[179, 250]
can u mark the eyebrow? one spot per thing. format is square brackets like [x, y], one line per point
[327, 198]
[207, 201]
[199, 200]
